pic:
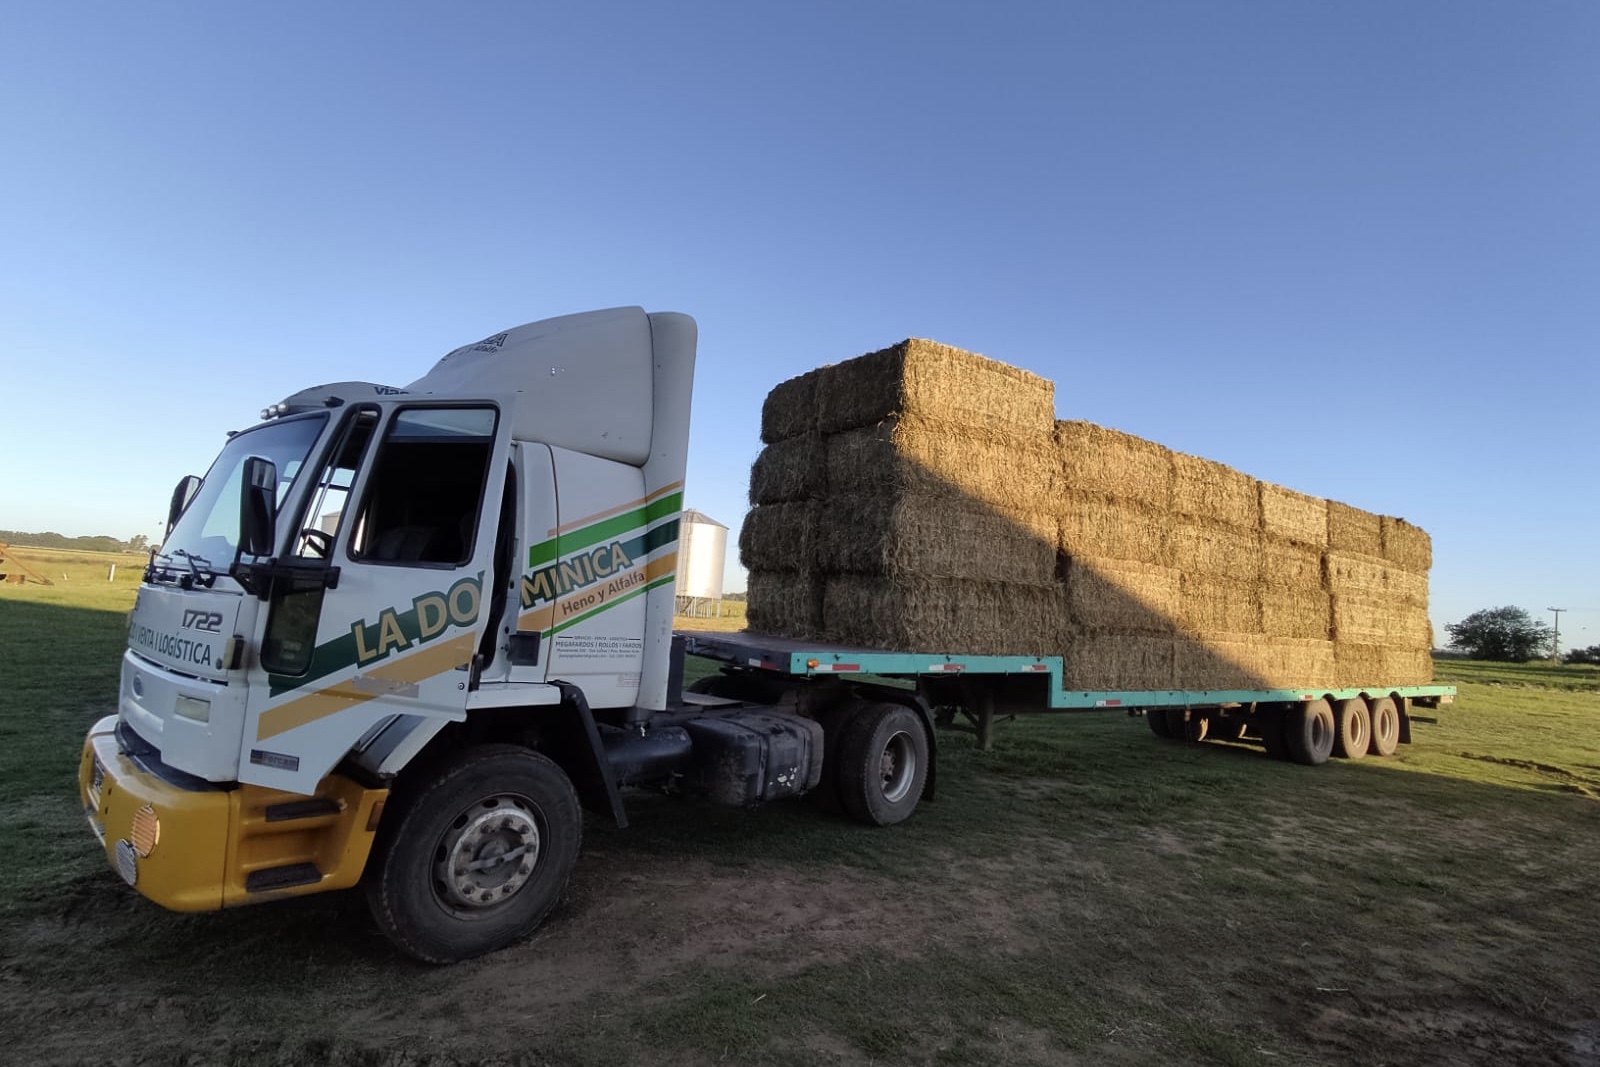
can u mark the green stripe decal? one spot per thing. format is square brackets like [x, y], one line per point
[605, 529]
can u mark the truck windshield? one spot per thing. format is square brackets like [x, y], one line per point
[208, 532]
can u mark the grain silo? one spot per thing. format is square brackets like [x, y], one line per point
[702, 550]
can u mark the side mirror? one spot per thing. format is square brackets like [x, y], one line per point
[258, 507]
[187, 487]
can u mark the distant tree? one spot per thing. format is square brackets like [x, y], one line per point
[138, 543]
[1509, 635]
[1585, 655]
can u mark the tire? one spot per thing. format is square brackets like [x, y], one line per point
[476, 806]
[1352, 728]
[882, 764]
[1308, 731]
[1157, 719]
[1182, 728]
[1385, 727]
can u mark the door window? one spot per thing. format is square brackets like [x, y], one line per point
[425, 491]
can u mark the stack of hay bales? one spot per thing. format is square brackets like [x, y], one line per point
[924, 498]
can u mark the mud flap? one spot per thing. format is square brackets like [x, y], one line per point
[572, 739]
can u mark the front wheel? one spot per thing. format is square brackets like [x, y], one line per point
[477, 855]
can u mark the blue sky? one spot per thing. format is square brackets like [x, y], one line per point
[1352, 248]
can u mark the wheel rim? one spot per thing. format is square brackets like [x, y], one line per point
[487, 853]
[1321, 732]
[897, 767]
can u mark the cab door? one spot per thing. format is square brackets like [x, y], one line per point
[404, 517]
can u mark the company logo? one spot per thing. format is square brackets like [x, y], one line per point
[209, 621]
[430, 615]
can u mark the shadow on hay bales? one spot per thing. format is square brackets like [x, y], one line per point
[923, 498]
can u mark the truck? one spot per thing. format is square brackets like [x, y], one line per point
[402, 638]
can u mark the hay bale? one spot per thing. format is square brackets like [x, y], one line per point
[1214, 493]
[930, 457]
[1375, 667]
[785, 602]
[1215, 662]
[923, 378]
[792, 469]
[791, 408]
[1202, 551]
[1119, 466]
[1117, 596]
[1216, 605]
[1285, 563]
[1353, 530]
[1295, 611]
[1377, 620]
[780, 537]
[1096, 661]
[970, 618]
[1406, 546]
[1288, 663]
[935, 537]
[1291, 516]
[1407, 588]
[1346, 573]
[1094, 528]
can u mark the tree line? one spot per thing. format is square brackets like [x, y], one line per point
[50, 539]
[1510, 635]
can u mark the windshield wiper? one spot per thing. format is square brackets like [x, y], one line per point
[200, 572]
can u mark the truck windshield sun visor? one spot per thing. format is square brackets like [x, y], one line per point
[206, 536]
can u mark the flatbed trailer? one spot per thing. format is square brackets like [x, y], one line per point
[1306, 724]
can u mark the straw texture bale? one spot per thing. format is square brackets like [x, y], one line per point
[779, 537]
[1097, 661]
[1407, 588]
[1214, 493]
[929, 457]
[1216, 551]
[1095, 528]
[1379, 621]
[785, 602]
[1353, 530]
[1295, 611]
[1378, 667]
[1286, 563]
[792, 469]
[1406, 546]
[791, 408]
[1216, 605]
[1291, 516]
[1345, 573]
[973, 618]
[1246, 661]
[1217, 662]
[917, 377]
[1120, 466]
[1122, 597]
[935, 537]
[1286, 663]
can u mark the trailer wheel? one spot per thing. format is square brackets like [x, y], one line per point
[477, 855]
[1308, 732]
[1385, 727]
[1352, 728]
[883, 764]
[1157, 718]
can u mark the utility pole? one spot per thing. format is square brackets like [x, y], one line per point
[1555, 640]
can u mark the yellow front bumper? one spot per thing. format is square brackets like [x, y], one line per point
[199, 850]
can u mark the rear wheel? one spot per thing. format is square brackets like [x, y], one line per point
[1352, 728]
[1385, 727]
[882, 763]
[477, 854]
[1308, 732]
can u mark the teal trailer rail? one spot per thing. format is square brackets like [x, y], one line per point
[786, 656]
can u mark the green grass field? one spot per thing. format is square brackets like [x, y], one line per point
[1083, 893]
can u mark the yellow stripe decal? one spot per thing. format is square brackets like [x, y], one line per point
[408, 669]
[619, 509]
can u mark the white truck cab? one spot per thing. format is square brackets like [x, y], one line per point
[400, 634]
